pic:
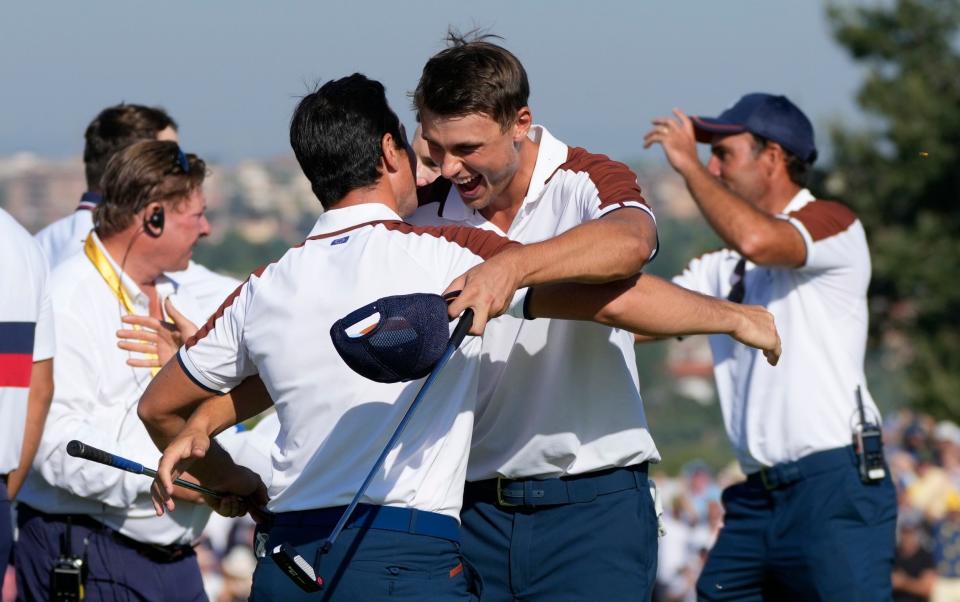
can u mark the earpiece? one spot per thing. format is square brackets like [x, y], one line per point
[153, 225]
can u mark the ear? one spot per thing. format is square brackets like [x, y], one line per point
[774, 158]
[521, 126]
[393, 158]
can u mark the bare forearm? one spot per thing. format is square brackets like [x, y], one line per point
[38, 405]
[735, 220]
[644, 304]
[610, 248]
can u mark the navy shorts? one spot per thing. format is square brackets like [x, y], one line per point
[366, 563]
[824, 535]
[592, 537]
[116, 570]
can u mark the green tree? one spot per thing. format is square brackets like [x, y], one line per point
[902, 175]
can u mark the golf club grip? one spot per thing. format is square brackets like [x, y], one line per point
[466, 321]
[78, 449]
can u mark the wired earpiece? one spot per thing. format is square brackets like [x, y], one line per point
[153, 225]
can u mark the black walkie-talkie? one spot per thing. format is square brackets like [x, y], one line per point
[868, 441]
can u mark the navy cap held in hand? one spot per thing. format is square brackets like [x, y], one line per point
[394, 339]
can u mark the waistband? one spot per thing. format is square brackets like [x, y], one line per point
[787, 473]
[154, 552]
[370, 516]
[508, 493]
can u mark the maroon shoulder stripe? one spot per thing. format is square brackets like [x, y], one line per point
[824, 219]
[483, 243]
[615, 182]
[208, 326]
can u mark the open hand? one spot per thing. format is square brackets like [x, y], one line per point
[677, 138]
[154, 337]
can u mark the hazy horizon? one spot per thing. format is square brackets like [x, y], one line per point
[231, 74]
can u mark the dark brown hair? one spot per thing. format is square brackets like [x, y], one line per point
[473, 75]
[145, 172]
[798, 170]
[116, 128]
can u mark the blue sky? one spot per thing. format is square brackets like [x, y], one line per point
[231, 72]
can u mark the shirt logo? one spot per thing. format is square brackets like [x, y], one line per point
[340, 241]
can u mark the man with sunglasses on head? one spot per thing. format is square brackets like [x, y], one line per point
[85, 527]
[112, 130]
[816, 516]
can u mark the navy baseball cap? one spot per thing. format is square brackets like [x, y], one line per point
[772, 117]
[394, 339]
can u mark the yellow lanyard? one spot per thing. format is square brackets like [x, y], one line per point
[100, 261]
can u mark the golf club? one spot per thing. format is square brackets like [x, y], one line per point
[78, 449]
[285, 555]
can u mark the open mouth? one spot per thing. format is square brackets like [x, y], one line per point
[470, 187]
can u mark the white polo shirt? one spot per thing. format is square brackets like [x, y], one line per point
[65, 237]
[556, 397]
[334, 422]
[807, 403]
[95, 400]
[26, 331]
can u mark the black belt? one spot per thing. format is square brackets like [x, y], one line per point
[786, 473]
[509, 493]
[154, 552]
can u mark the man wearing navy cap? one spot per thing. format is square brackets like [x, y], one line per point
[806, 525]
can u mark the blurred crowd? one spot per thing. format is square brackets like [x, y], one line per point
[924, 459]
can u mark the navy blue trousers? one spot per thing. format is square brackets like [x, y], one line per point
[827, 536]
[116, 572]
[601, 549]
[368, 564]
[6, 530]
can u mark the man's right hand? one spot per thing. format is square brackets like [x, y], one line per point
[245, 491]
[757, 328]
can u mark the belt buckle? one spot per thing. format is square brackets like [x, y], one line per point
[766, 483]
[500, 500]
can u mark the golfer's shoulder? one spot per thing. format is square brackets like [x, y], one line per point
[443, 238]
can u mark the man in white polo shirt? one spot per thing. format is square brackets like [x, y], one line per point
[557, 506]
[26, 364]
[275, 330]
[112, 130]
[807, 524]
[86, 513]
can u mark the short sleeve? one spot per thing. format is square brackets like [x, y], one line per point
[831, 233]
[601, 184]
[216, 357]
[44, 342]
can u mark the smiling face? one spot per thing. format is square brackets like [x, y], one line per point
[475, 153]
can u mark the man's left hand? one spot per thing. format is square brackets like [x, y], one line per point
[487, 288]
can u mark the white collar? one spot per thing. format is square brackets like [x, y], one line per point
[354, 215]
[800, 199]
[165, 285]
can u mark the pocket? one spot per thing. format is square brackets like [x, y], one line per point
[873, 503]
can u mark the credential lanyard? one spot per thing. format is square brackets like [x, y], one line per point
[100, 261]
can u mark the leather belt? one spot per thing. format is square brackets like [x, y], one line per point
[585, 487]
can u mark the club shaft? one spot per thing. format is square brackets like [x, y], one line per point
[186, 484]
[460, 331]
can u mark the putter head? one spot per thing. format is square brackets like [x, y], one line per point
[394, 339]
